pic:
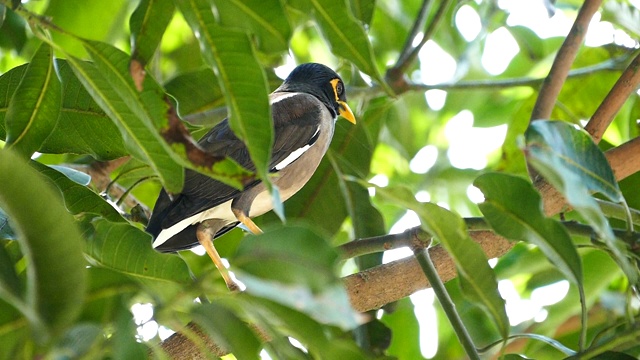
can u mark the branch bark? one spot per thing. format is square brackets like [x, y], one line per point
[370, 289]
[606, 112]
[563, 61]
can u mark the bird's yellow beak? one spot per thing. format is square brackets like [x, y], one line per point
[346, 112]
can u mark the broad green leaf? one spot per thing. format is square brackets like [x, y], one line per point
[366, 219]
[51, 244]
[406, 330]
[125, 248]
[125, 344]
[10, 284]
[98, 19]
[78, 198]
[196, 91]
[108, 290]
[82, 128]
[147, 23]
[291, 255]
[329, 305]
[241, 78]
[264, 19]
[514, 210]
[558, 143]
[9, 82]
[363, 10]
[574, 165]
[285, 320]
[74, 175]
[345, 35]
[35, 105]
[139, 134]
[13, 32]
[77, 342]
[479, 284]
[227, 330]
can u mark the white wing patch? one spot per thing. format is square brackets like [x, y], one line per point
[222, 211]
[295, 155]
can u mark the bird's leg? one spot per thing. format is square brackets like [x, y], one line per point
[205, 234]
[246, 221]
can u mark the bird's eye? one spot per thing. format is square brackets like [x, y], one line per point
[339, 88]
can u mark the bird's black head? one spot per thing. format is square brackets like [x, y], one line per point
[321, 82]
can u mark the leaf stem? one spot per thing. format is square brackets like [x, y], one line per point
[549, 341]
[629, 338]
[422, 255]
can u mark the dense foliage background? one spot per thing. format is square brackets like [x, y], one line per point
[445, 94]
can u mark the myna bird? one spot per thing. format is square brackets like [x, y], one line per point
[304, 108]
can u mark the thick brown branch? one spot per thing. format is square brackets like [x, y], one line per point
[563, 61]
[606, 112]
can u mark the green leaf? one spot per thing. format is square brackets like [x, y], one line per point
[514, 210]
[10, 284]
[292, 255]
[98, 19]
[574, 165]
[226, 329]
[265, 19]
[558, 143]
[77, 342]
[147, 23]
[78, 198]
[35, 105]
[127, 249]
[74, 175]
[241, 78]
[345, 35]
[9, 82]
[51, 243]
[13, 33]
[196, 91]
[136, 127]
[406, 330]
[280, 319]
[108, 290]
[329, 305]
[363, 10]
[479, 283]
[82, 128]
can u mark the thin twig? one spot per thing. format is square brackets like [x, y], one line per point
[415, 29]
[563, 61]
[395, 75]
[616, 64]
[606, 112]
[422, 255]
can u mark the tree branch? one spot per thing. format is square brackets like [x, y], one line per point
[606, 112]
[563, 61]
[375, 287]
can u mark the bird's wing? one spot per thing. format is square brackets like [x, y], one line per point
[296, 120]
